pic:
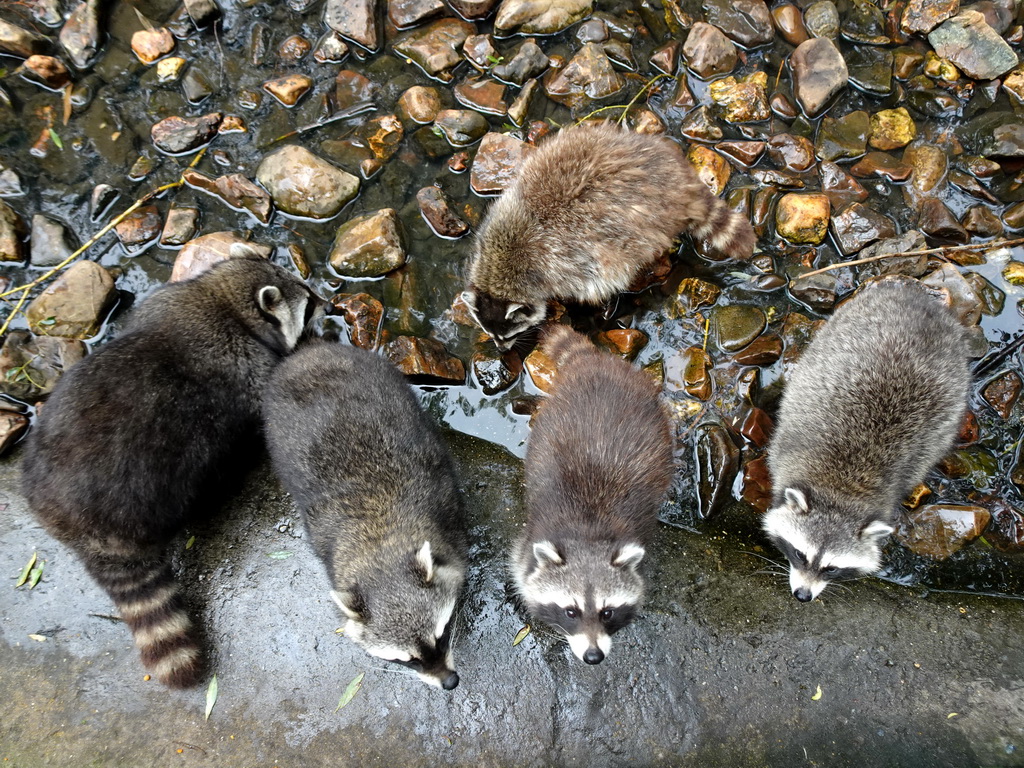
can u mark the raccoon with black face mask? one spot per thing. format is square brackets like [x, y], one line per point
[598, 464]
[591, 207]
[135, 435]
[874, 402]
[377, 491]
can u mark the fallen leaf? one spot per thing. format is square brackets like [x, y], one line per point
[520, 635]
[56, 139]
[190, 542]
[39, 638]
[817, 694]
[952, 715]
[351, 690]
[211, 697]
[67, 103]
[26, 570]
[282, 555]
[35, 575]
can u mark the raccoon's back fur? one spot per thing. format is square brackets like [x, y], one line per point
[135, 434]
[875, 400]
[591, 207]
[374, 483]
[598, 463]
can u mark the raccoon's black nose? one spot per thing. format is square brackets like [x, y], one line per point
[451, 681]
[803, 594]
[593, 656]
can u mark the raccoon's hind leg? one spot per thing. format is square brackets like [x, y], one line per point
[143, 588]
[725, 230]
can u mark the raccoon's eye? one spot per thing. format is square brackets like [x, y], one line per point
[831, 571]
[800, 557]
[606, 614]
[572, 613]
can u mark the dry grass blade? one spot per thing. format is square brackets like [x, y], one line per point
[350, 691]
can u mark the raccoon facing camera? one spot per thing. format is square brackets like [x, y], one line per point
[874, 402]
[598, 464]
[377, 492]
[590, 209]
[135, 438]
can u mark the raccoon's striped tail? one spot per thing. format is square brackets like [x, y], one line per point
[146, 596]
[560, 342]
[725, 230]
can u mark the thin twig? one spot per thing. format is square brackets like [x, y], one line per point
[925, 252]
[624, 107]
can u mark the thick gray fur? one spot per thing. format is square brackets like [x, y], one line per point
[135, 438]
[873, 403]
[374, 483]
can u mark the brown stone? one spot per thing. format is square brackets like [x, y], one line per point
[497, 163]
[150, 44]
[882, 165]
[436, 209]
[922, 16]
[177, 135]
[981, 222]
[139, 227]
[181, 225]
[756, 427]
[757, 484]
[74, 304]
[803, 218]
[542, 370]
[624, 342]
[790, 23]
[712, 169]
[856, 226]
[1002, 393]
[791, 153]
[48, 71]
[764, 350]
[288, 89]
[742, 100]
[819, 74]
[294, 49]
[235, 190]
[746, 153]
[425, 358]
[370, 245]
[496, 373]
[203, 252]
[708, 51]
[363, 315]
[841, 188]
[421, 103]
[937, 531]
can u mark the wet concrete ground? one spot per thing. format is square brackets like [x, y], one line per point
[722, 668]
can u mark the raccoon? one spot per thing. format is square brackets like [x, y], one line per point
[136, 434]
[378, 495]
[598, 463]
[590, 208]
[874, 402]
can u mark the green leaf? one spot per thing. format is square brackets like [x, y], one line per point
[47, 321]
[3, 72]
[35, 575]
[520, 635]
[211, 697]
[282, 555]
[436, 130]
[495, 59]
[351, 691]
[26, 570]
[190, 542]
[56, 139]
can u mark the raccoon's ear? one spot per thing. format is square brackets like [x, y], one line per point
[268, 298]
[512, 308]
[797, 500]
[545, 553]
[876, 530]
[629, 556]
[423, 563]
[242, 250]
[469, 297]
[351, 603]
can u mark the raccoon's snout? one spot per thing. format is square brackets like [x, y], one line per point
[451, 682]
[593, 656]
[803, 594]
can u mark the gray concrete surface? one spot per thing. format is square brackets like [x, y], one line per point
[721, 669]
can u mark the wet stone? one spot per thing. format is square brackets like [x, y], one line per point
[717, 461]
[712, 169]
[790, 23]
[756, 426]
[791, 153]
[10, 183]
[914, 266]
[1002, 393]
[473, 9]
[46, 71]
[938, 531]
[892, 129]
[539, 17]
[972, 45]
[293, 49]
[12, 233]
[20, 42]
[495, 373]
[529, 61]
[425, 359]
[181, 225]
[31, 365]
[331, 50]
[769, 177]
[664, 58]
[235, 190]
[928, 163]
[150, 44]
[692, 294]
[745, 153]
[301, 184]
[195, 86]
[50, 244]
[288, 89]
[822, 19]
[803, 218]
[844, 137]
[764, 350]
[202, 12]
[461, 127]
[757, 484]
[939, 68]
[624, 342]
[363, 315]
[735, 326]
[1013, 217]
[139, 227]
[351, 88]
[168, 71]
[744, 100]
[519, 109]
[939, 223]
[708, 51]
[857, 226]
[436, 209]
[355, 20]
[956, 293]
[482, 94]
[80, 36]
[479, 50]
[620, 53]
[408, 13]
[923, 16]
[420, 103]
[864, 23]
[992, 299]
[177, 135]
[589, 75]
[782, 106]
[12, 427]
[369, 245]
[882, 165]
[690, 370]
[817, 292]
[870, 69]
[435, 47]
[200, 254]
[819, 73]
[748, 22]
[497, 163]
[905, 62]
[700, 125]
[542, 370]
[74, 304]
[981, 222]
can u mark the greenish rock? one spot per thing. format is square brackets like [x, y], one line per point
[864, 22]
[844, 137]
[803, 218]
[971, 44]
[870, 69]
[369, 245]
[822, 19]
[302, 184]
[736, 325]
[461, 127]
[1013, 217]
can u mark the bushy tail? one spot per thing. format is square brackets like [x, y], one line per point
[726, 231]
[560, 342]
[146, 595]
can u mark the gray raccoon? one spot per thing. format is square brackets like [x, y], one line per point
[591, 207]
[598, 463]
[136, 435]
[377, 491]
[874, 402]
